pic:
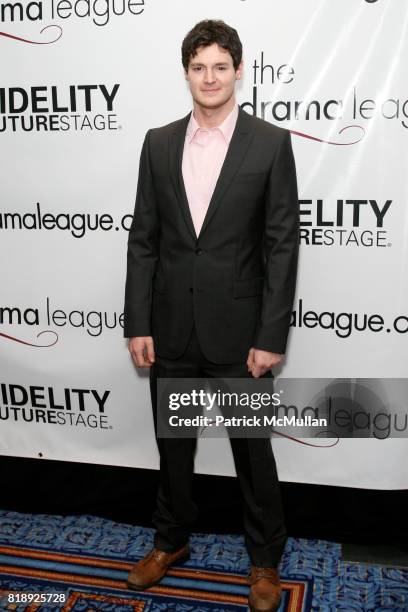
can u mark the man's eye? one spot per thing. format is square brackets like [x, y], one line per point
[197, 68]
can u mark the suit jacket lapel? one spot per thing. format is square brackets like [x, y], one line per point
[176, 147]
[237, 149]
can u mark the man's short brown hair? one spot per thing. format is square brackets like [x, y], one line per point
[208, 32]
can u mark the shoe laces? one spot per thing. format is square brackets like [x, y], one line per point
[257, 573]
[158, 555]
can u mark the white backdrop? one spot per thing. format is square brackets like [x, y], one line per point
[82, 84]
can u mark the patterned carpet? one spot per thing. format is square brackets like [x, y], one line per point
[80, 563]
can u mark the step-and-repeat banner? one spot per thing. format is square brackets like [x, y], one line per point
[81, 82]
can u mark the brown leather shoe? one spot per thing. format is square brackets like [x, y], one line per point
[265, 593]
[151, 569]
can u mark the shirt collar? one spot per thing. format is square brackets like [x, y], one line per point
[226, 127]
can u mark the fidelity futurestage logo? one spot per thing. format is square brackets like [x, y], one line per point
[53, 108]
[351, 222]
[47, 405]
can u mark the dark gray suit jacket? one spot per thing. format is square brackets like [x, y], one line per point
[236, 280]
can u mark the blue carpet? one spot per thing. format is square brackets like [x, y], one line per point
[86, 559]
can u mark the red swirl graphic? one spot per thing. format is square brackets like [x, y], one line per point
[278, 433]
[46, 331]
[35, 42]
[331, 142]
[300, 441]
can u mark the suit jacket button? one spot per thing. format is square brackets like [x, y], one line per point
[199, 251]
[191, 290]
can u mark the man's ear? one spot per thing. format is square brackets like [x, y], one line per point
[239, 70]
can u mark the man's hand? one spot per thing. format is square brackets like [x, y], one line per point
[142, 350]
[259, 362]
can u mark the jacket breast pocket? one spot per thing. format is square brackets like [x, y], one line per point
[251, 179]
[248, 287]
[251, 176]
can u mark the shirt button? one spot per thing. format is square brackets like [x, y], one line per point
[199, 251]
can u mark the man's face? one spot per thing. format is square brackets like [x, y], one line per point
[211, 76]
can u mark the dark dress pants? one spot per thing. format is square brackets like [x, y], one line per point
[176, 512]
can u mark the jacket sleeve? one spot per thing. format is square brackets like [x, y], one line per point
[281, 244]
[141, 252]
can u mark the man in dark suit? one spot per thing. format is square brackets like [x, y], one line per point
[212, 258]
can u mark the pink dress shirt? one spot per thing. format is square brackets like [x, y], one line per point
[203, 156]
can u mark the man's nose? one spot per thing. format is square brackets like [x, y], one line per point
[209, 75]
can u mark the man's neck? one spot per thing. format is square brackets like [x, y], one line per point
[213, 117]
